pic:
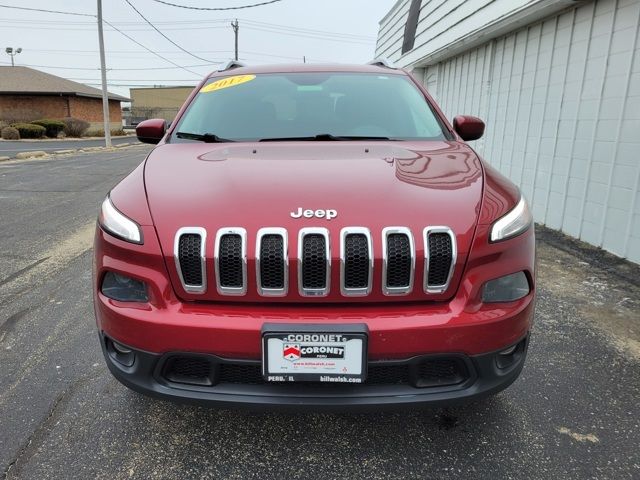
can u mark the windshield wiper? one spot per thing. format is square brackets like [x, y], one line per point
[323, 137]
[205, 137]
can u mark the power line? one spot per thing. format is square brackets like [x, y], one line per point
[112, 26]
[88, 29]
[136, 80]
[140, 85]
[189, 7]
[308, 30]
[119, 23]
[120, 51]
[164, 36]
[189, 25]
[124, 52]
[48, 11]
[111, 69]
[151, 51]
[316, 37]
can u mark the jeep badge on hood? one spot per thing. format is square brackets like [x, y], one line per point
[328, 214]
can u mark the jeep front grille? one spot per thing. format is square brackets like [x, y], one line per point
[272, 264]
[231, 261]
[439, 258]
[314, 262]
[189, 255]
[356, 261]
[398, 263]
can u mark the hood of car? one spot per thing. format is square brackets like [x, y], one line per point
[328, 185]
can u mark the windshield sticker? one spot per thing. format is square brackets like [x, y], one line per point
[226, 83]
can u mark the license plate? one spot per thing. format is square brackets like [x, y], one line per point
[291, 354]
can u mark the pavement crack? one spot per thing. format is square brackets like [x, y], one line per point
[36, 433]
[22, 271]
[14, 467]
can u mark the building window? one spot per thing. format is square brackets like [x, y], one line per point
[411, 26]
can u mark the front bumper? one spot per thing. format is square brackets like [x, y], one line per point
[402, 333]
[485, 375]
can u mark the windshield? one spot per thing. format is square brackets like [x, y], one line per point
[320, 106]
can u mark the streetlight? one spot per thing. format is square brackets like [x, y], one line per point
[12, 53]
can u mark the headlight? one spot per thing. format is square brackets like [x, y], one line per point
[513, 223]
[117, 224]
[506, 289]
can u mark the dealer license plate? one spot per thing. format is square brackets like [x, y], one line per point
[314, 356]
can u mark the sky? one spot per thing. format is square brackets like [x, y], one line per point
[341, 31]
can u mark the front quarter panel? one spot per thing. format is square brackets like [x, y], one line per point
[130, 198]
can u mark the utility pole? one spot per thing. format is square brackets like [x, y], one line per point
[236, 27]
[103, 72]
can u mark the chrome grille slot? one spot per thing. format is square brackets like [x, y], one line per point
[440, 258]
[398, 261]
[272, 263]
[189, 255]
[356, 261]
[231, 261]
[314, 262]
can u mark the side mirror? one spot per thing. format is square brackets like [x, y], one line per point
[151, 131]
[468, 127]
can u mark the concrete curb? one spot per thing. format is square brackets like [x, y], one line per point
[65, 139]
[36, 153]
[54, 153]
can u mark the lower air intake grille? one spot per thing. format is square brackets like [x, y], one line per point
[190, 370]
[272, 261]
[230, 267]
[399, 262]
[189, 255]
[440, 372]
[241, 374]
[440, 258]
[314, 262]
[356, 261]
[201, 370]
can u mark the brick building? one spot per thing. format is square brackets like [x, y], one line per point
[28, 94]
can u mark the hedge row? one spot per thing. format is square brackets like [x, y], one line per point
[9, 133]
[29, 130]
[53, 127]
[71, 127]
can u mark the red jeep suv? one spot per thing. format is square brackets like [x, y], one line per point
[317, 236]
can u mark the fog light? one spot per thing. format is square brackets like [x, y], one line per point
[119, 353]
[121, 349]
[509, 350]
[510, 356]
[123, 288]
[506, 289]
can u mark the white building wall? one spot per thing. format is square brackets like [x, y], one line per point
[561, 99]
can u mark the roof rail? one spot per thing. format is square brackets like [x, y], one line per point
[230, 65]
[382, 62]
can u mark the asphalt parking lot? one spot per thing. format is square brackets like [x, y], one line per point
[10, 148]
[574, 412]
